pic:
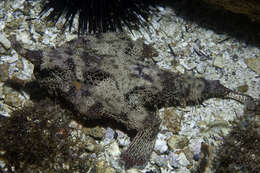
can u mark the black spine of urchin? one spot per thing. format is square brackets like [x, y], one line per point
[96, 16]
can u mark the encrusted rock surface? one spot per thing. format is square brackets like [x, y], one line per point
[247, 7]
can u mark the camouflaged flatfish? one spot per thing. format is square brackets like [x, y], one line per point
[110, 76]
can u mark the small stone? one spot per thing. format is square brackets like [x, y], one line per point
[133, 170]
[12, 97]
[161, 144]
[2, 164]
[122, 138]
[242, 88]
[160, 161]
[4, 68]
[180, 69]
[171, 120]
[201, 68]
[3, 51]
[13, 24]
[253, 64]
[4, 41]
[189, 154]
[196, 157]
[39, 28]
[109, 136]
[114, 150]
[218, 62]
[174, 160]
[235, 58]
[91, 145]
[96, 132]
[177, 142]
[101, 166]
[183, 160]
[110, 170]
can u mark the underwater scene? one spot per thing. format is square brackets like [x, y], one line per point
[129, 86]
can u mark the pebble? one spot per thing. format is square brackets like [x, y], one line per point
[177, 142]
[114, 150]
[96, 132]
[201, 68]
[101, 166]
[110, 170]
[122, 139]
[4, 69]
[91, 144]
[161, 144]
[12, 97]
[218, 61]
[174, 159]
[159, 160]
[253, 64]
[109, 135]
[4, 41]
[183, 160]
[242, 88]
[133, 170]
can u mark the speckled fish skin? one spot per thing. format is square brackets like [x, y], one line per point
[107, 76]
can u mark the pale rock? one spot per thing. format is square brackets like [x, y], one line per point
[183, 160]
[219, 61]
[253, 64]
[174, 159]
[4, 41]
[183, 170]
[133, 170]
[91, 144]
[159, 160]
[114, 150]
[201, 68]
[161, 144]
[110, 170]
[177, 142]
[122, 138]
[109, 135]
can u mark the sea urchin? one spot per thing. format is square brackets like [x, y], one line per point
[97, 16]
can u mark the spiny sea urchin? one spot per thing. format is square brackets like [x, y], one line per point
[97, 16]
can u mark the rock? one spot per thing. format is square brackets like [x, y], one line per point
[177, 142]
[4, 41]
[183, 160]
[114, 150]
[3, 51]
[96, 132]
[242, 88]
[253, 64]
[133, 171]
[161, 144]
[101, 166]
[249, 7]
[109, 136]
[110, 170]
[218, 62]
[123, 139]
[12, 97]
[171, 120]
[91, 145]
[4, 68]
[174, 159]
[201, 68]
[160, 161]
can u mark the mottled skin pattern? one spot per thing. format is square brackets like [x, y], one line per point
[108, 76]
